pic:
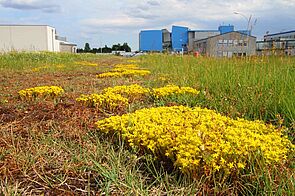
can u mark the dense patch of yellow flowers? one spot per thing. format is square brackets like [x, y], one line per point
[126, 66]
[195, 138]
[41, 92]
[170, 90]
[107, 101]
[113, 98]
[124, 73]
[132, 92]
[124, 70]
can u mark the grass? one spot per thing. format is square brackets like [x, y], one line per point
[51, 147]
[252, 88]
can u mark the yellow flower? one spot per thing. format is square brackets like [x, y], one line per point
[196, 137]
[230, 165]
[41, 92]
[241, 165]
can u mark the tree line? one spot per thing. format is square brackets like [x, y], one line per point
[105, 49]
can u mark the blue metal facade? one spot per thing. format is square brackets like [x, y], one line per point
[226, 29]
[151, 40]
[179, 38]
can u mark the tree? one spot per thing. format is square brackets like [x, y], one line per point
[87, 48]
[126, 48]
[106, 49]
[119, 47]
[116, 47]
[80, 50]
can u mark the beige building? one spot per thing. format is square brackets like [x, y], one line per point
[32, 38]
[195, 35]
[227, 45]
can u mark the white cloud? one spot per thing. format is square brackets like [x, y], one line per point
[31, 5]
[121, 21]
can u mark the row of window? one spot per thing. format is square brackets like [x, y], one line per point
[284, 37]
[224, 42]
[230, 54]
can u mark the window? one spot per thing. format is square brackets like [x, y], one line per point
[224, 54]
[220, 42]
[225, 42]
[245, 44]
[219, 53]
[229, 54]
[235, 42]
[240, 43]
[230, 42]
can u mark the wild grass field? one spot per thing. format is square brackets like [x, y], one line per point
[152, 125]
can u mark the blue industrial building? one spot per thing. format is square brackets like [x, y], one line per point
[180, 39]
[151, 40]
[226, 29]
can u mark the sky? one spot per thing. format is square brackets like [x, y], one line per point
[108, 22]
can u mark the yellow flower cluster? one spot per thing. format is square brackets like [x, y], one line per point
[41, 92]
[126, 66]
[85, 63]
[124, 70]
[195, 138]
[108, 101]
[125, 73]
[170, 90]
[132, 92]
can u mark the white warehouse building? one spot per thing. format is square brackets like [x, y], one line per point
[33, 38]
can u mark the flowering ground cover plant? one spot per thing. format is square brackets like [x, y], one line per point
[41, 92]
[124, 73]
[171, 90]
[107, 101]
[116, 97]
[126, 66]
[195, 138]
[132, 92]
[124, 70]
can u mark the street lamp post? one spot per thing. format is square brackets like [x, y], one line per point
[249, 26]
[248, 19]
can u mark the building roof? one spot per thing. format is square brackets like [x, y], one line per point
[203, 30]
[293, 31]
[29, 25]
[23, 25]
[271, 41]
[68, 44]
[225, 34]
[151, 30]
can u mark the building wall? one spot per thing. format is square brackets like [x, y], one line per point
[179, 37]
[276, 47]
[198, 35]
[151, 40]
[280, 36]
[25, 38]
[166, 35]
[227, 45]
[68, 48]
